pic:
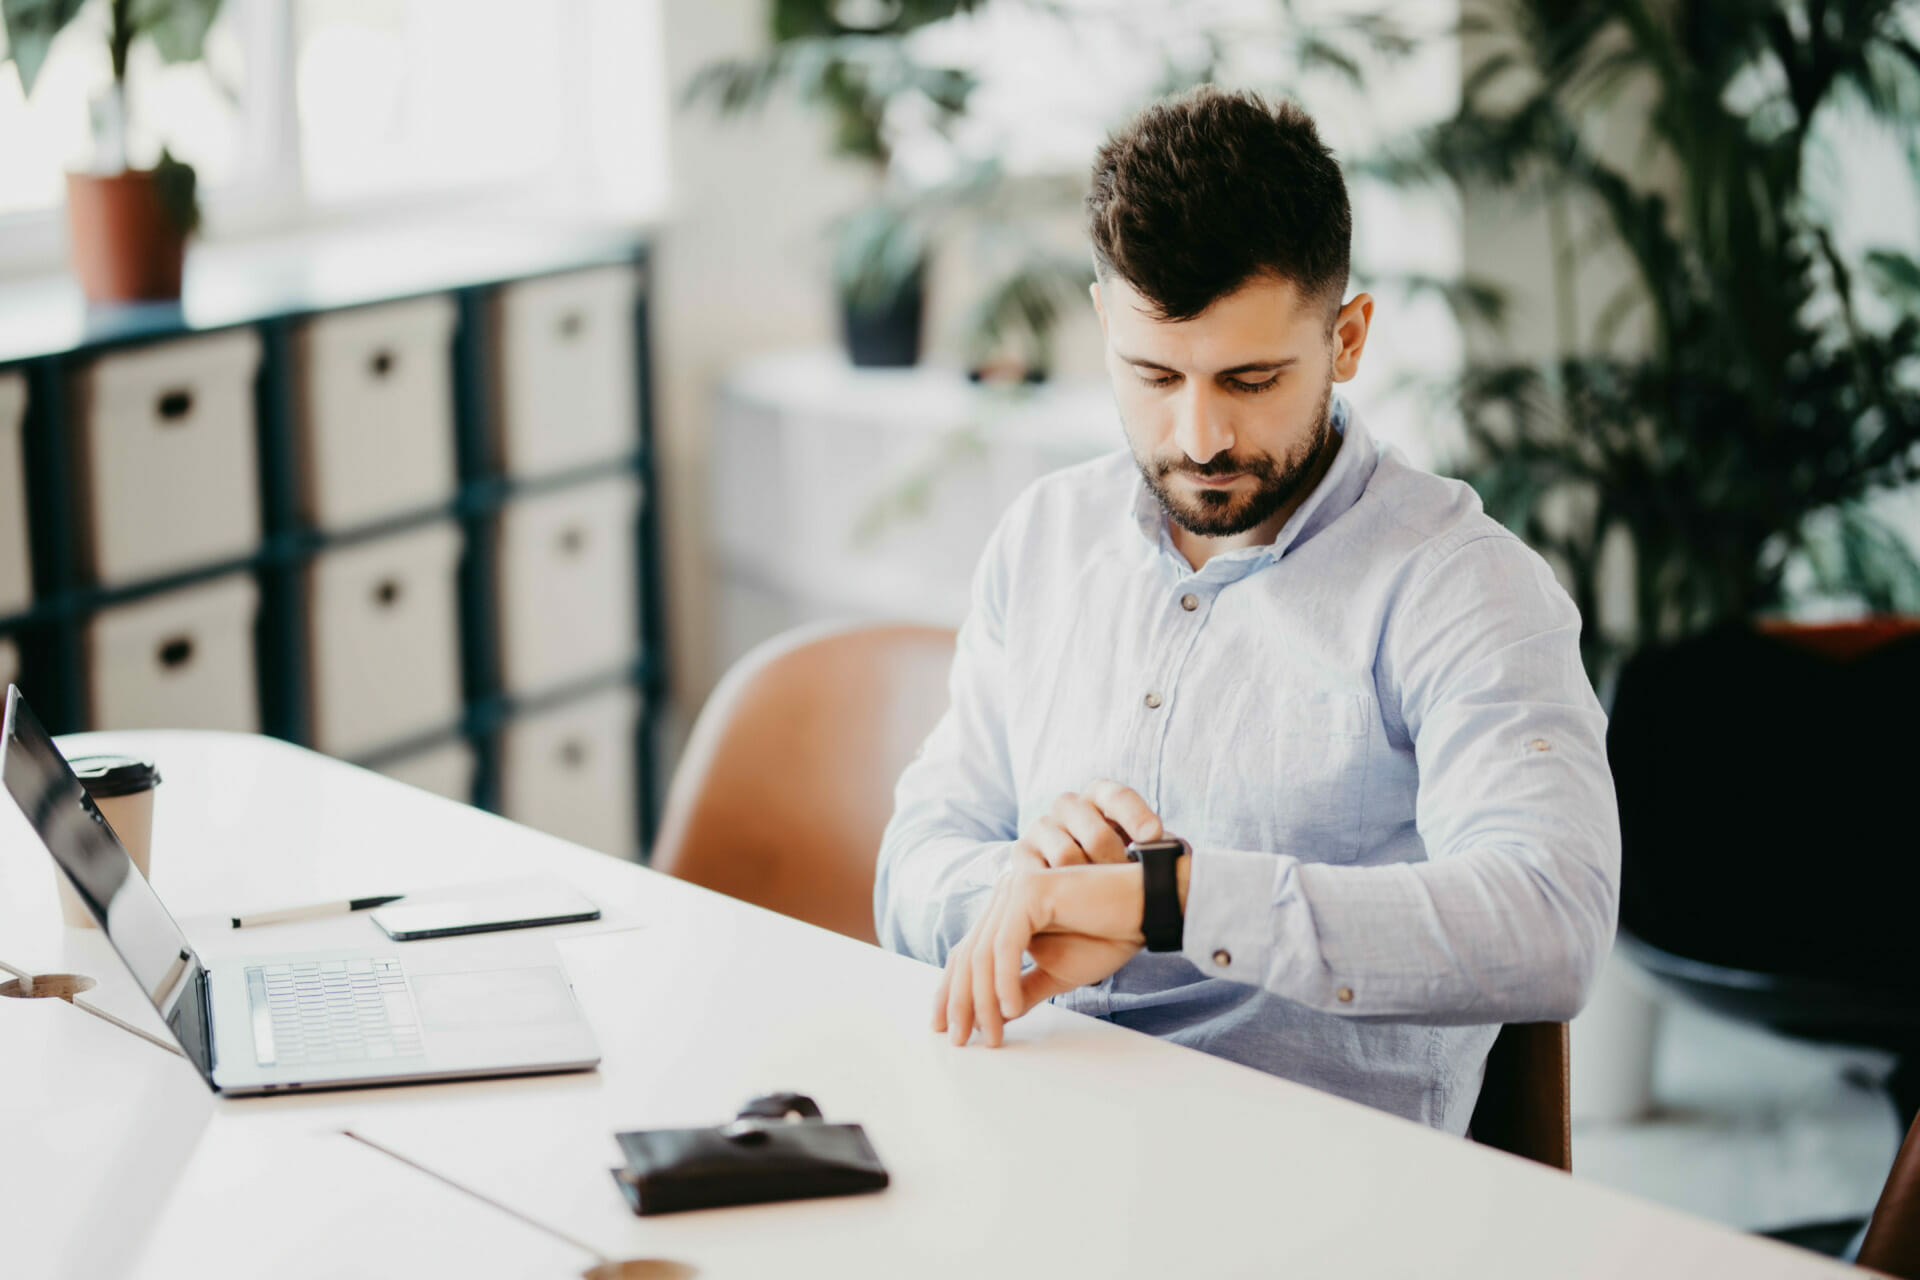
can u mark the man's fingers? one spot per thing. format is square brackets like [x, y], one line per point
[1124, 806]
[1009, 944]
[940, 996]
[1037, 985]
[986, 1001]
[1055, 845]
[1023, 856]
[1090, 829]
[960, 991]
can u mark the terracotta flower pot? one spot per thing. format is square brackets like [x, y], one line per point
[1843, 641]
[125, 246]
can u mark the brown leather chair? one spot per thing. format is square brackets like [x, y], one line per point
[1524, 1105]
[787, 784]
[1892, 1243]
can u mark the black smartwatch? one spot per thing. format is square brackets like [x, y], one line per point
[1161, 921]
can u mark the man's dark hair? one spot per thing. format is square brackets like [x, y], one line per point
[1200, 193]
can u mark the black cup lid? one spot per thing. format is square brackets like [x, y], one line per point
[105, 777]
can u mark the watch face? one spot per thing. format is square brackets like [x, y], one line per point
[1154, 846]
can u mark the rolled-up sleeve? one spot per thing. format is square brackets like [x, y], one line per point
[1514, 908]
[955, 806]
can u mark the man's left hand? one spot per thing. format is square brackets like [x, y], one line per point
[1080, 924]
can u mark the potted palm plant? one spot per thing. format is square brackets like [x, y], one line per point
[127, 227]
[1723, 461]
[1774, 392]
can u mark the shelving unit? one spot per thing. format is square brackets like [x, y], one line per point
[46, 334]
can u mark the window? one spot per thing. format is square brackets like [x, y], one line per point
[431, 94]
[306, 110]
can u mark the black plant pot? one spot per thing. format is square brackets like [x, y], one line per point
[885, 334]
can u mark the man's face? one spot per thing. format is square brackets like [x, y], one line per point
[1227, 414]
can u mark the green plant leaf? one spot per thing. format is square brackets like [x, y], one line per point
[878, 250]
[1024, 306]
[1897, 277]
[31, 26]
[177, 186]
[178, 28]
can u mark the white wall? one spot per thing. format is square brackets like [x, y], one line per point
[742, 268]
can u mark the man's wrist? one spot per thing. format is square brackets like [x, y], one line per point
[1104, 900]
[1107, 900]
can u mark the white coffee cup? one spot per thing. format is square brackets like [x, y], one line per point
[121, 787]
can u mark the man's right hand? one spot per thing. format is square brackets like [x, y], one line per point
[1093, 826]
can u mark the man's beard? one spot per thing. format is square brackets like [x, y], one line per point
[1223, 513]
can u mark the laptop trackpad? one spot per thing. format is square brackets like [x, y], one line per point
[484, 998]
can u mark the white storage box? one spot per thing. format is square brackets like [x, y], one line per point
[168, 457]
[445, 771]
[16, 574]
[376, 411]
[567, 360]
[567, 584]
[9, 664]
[385, 651]
[183, 660]
[571, 772]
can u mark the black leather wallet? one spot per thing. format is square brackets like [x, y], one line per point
[778, 1149]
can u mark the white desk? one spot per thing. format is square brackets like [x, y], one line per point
[1080, 1150]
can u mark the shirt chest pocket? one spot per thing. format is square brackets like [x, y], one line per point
[1318, 755]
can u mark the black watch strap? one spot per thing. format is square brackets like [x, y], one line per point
[1161, 919]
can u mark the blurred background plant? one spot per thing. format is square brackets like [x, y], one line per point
[855, 62]
[177, 30]
[1728, 418]
[894, 75]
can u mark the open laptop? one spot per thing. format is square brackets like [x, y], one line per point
[303, 1020]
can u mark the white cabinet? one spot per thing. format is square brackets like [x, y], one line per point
[571, 772]
[568, 370]
[384, 649]
[16, 575]
[869, 493]
[567, 584]
[167, 456]
[444, 770]
[375, 408]
[183, 660]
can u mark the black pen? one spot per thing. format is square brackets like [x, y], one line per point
[314, 912]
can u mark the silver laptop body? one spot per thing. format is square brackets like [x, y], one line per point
[393, 1014]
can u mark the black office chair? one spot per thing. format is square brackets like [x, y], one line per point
[1769, 866]
[1525, 1104]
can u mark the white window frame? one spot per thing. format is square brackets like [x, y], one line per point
[270, 198]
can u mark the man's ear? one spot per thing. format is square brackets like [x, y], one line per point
[1099, 309]
[1350, 327]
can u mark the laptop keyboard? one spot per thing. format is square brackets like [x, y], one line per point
[332, 1011]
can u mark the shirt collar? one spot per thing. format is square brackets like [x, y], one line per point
[1339, 489]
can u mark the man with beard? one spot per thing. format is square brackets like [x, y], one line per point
[1336, 712]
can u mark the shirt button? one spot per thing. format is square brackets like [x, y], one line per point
[1539, 744]
[1153, 700]
[1344, 995]
[1221, 958]
[1189, 602]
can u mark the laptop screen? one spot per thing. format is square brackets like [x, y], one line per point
[95, 863]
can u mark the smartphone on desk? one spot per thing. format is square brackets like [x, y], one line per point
[408, 922]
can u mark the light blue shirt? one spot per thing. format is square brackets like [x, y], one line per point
[1375, 731]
